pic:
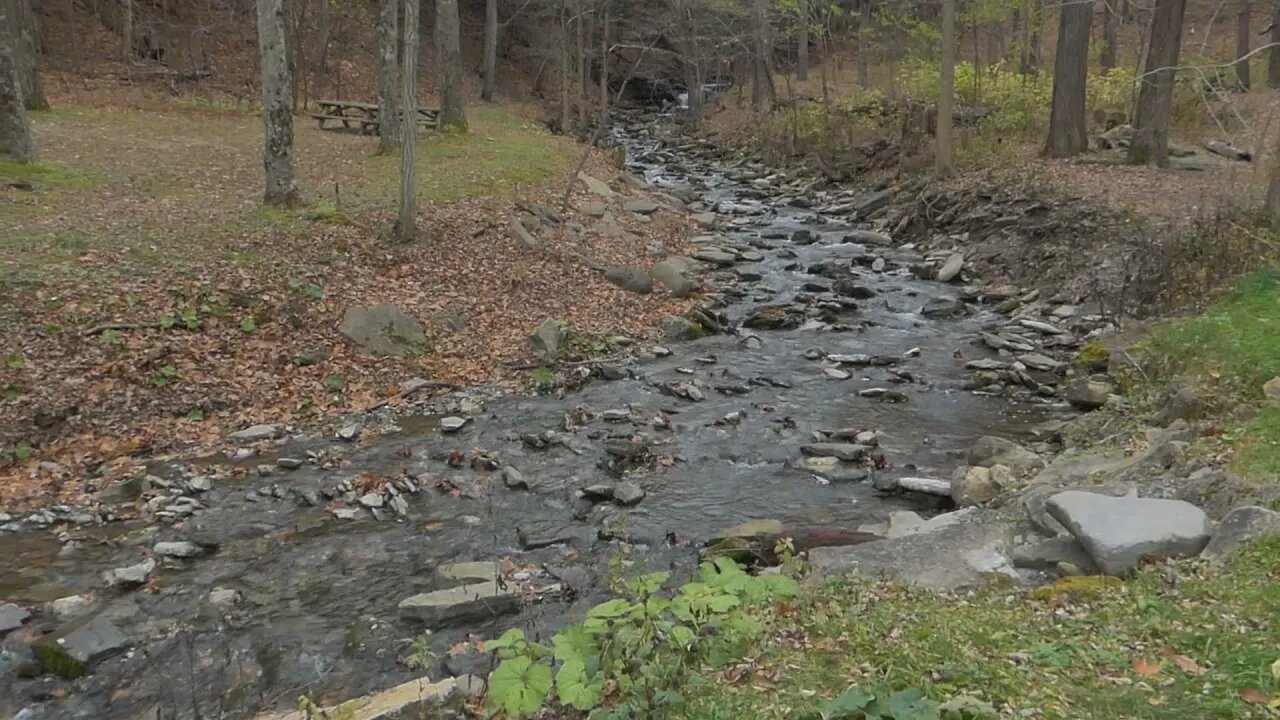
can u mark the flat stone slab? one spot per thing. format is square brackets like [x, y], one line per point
[383, 330]
[256, 433]
[178, 549]
[1118, 532]
[470, 572]
[407, 700]
[74, 654]
[849, 452]
[958, 555]
[11, 617]
[473, 601]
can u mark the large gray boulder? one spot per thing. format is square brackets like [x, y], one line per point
[673, 273]
[475, 601]
[12, 617]
[1118, 532]
[629, 277]
[549, 338]
[73, 653]
[951, 268]
[990, 450]
[1239, 528]
[675, 327]
[383, 330]
[959, 555]
[1088, 394]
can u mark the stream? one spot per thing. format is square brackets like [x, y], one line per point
[307, 601]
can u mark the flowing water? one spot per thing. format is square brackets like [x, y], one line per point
[319, 594]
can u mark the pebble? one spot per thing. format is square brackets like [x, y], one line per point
[836, 373]
[178, 549]
[453, 424]
[289, 463]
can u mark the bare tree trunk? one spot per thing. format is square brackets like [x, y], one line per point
[1150, 142]
[580, 66]
[1067, 132]
[1110, 35]
[946, 90]
[453, 114]
[15, 131]
[1273, 194]
[566, 74]
[604, 66]
[126, 34]
[763, 93]
[23, 23]
[388, 77]
[277, 113]
[1273, 54]
[802, 49]
[406, 227]
[490, 50]
[1242, 45]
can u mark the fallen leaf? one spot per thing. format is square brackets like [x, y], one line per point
[1146, 668]
[1275, 670]
[1188, 665]
[1253, 696]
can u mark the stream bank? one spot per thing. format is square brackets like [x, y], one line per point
[832, 373]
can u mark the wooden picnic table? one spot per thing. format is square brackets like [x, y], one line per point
[364, 116]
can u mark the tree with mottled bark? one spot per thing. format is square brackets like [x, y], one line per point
[388, 77]
[1273, 54]
[763, 94]
[15, 131]
[277, 107]
[490, 50]
[1110, 35]
[1243, 78]
[22, 22]
[944, 156]
[802, 48]
[1150, 143]
[1067, 131]
[453, 114]
[407, 226]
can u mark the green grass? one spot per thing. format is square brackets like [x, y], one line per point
[1154, 647]
[48, 176]
[1226, 354]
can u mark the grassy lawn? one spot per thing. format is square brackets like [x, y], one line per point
[1226, 354]
[1180, 641]
[131, 191]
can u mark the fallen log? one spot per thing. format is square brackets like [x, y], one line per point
[1228, 151]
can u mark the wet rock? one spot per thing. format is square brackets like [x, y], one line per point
[640, 206]
[903, 523]
[960, 555]
[453, 424]
[802, 237]
[1118, 532]
[548, 340]
[631, 278]
[1036, 361]
[125, 490]
[178, 549]
[990, 450]
[833, 469]
[846, 287]
[131, 575]
[345, 513]
[72, 606]
[676, 328]
[705, 220]
[372, 500]
[672, 273]
[877, 265]
[347, 433]
[12, 617]
[759, 549]
[986, 364]
[383, 330]
[950, 270]
[848, 452]
[419, 698]
[200, 484]
[514, 479]
[75, 653]
[1042, 327]
[1239, 528]
[222, 598]
[750, 528]
[475, 601]
[539, 536]
[256, 433]
[836, 373]
[464, 573]
[627, 493]
[714, 256]
[927, 486]
[943, 307]
[868, 203]
[773, 317]
[868, 237]
[1088, 393]
[1050, 553]
[974, 487]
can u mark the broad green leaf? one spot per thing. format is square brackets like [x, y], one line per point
[575, 688]
[615, 608]
[967, 707]
[912, 705]
[519, 686]
[682, 636]
[849, 705]
[574, 643]
[508, 639]
[649, 584]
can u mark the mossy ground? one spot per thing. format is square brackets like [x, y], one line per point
[1179, 641]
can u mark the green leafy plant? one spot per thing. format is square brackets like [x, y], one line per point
[112, 337]
[164, 376]
[646, 647]
[336, 383]
[912, 704]
[248, 325]
[14, 362]
[543, 378]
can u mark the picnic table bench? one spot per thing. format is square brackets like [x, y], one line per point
[364, 116]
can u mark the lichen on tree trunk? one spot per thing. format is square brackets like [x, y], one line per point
[1150, 144]
[453, 115]
[22, 20]
[388, 77]
[15, 131]
[1067, 131]
[277, 107]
